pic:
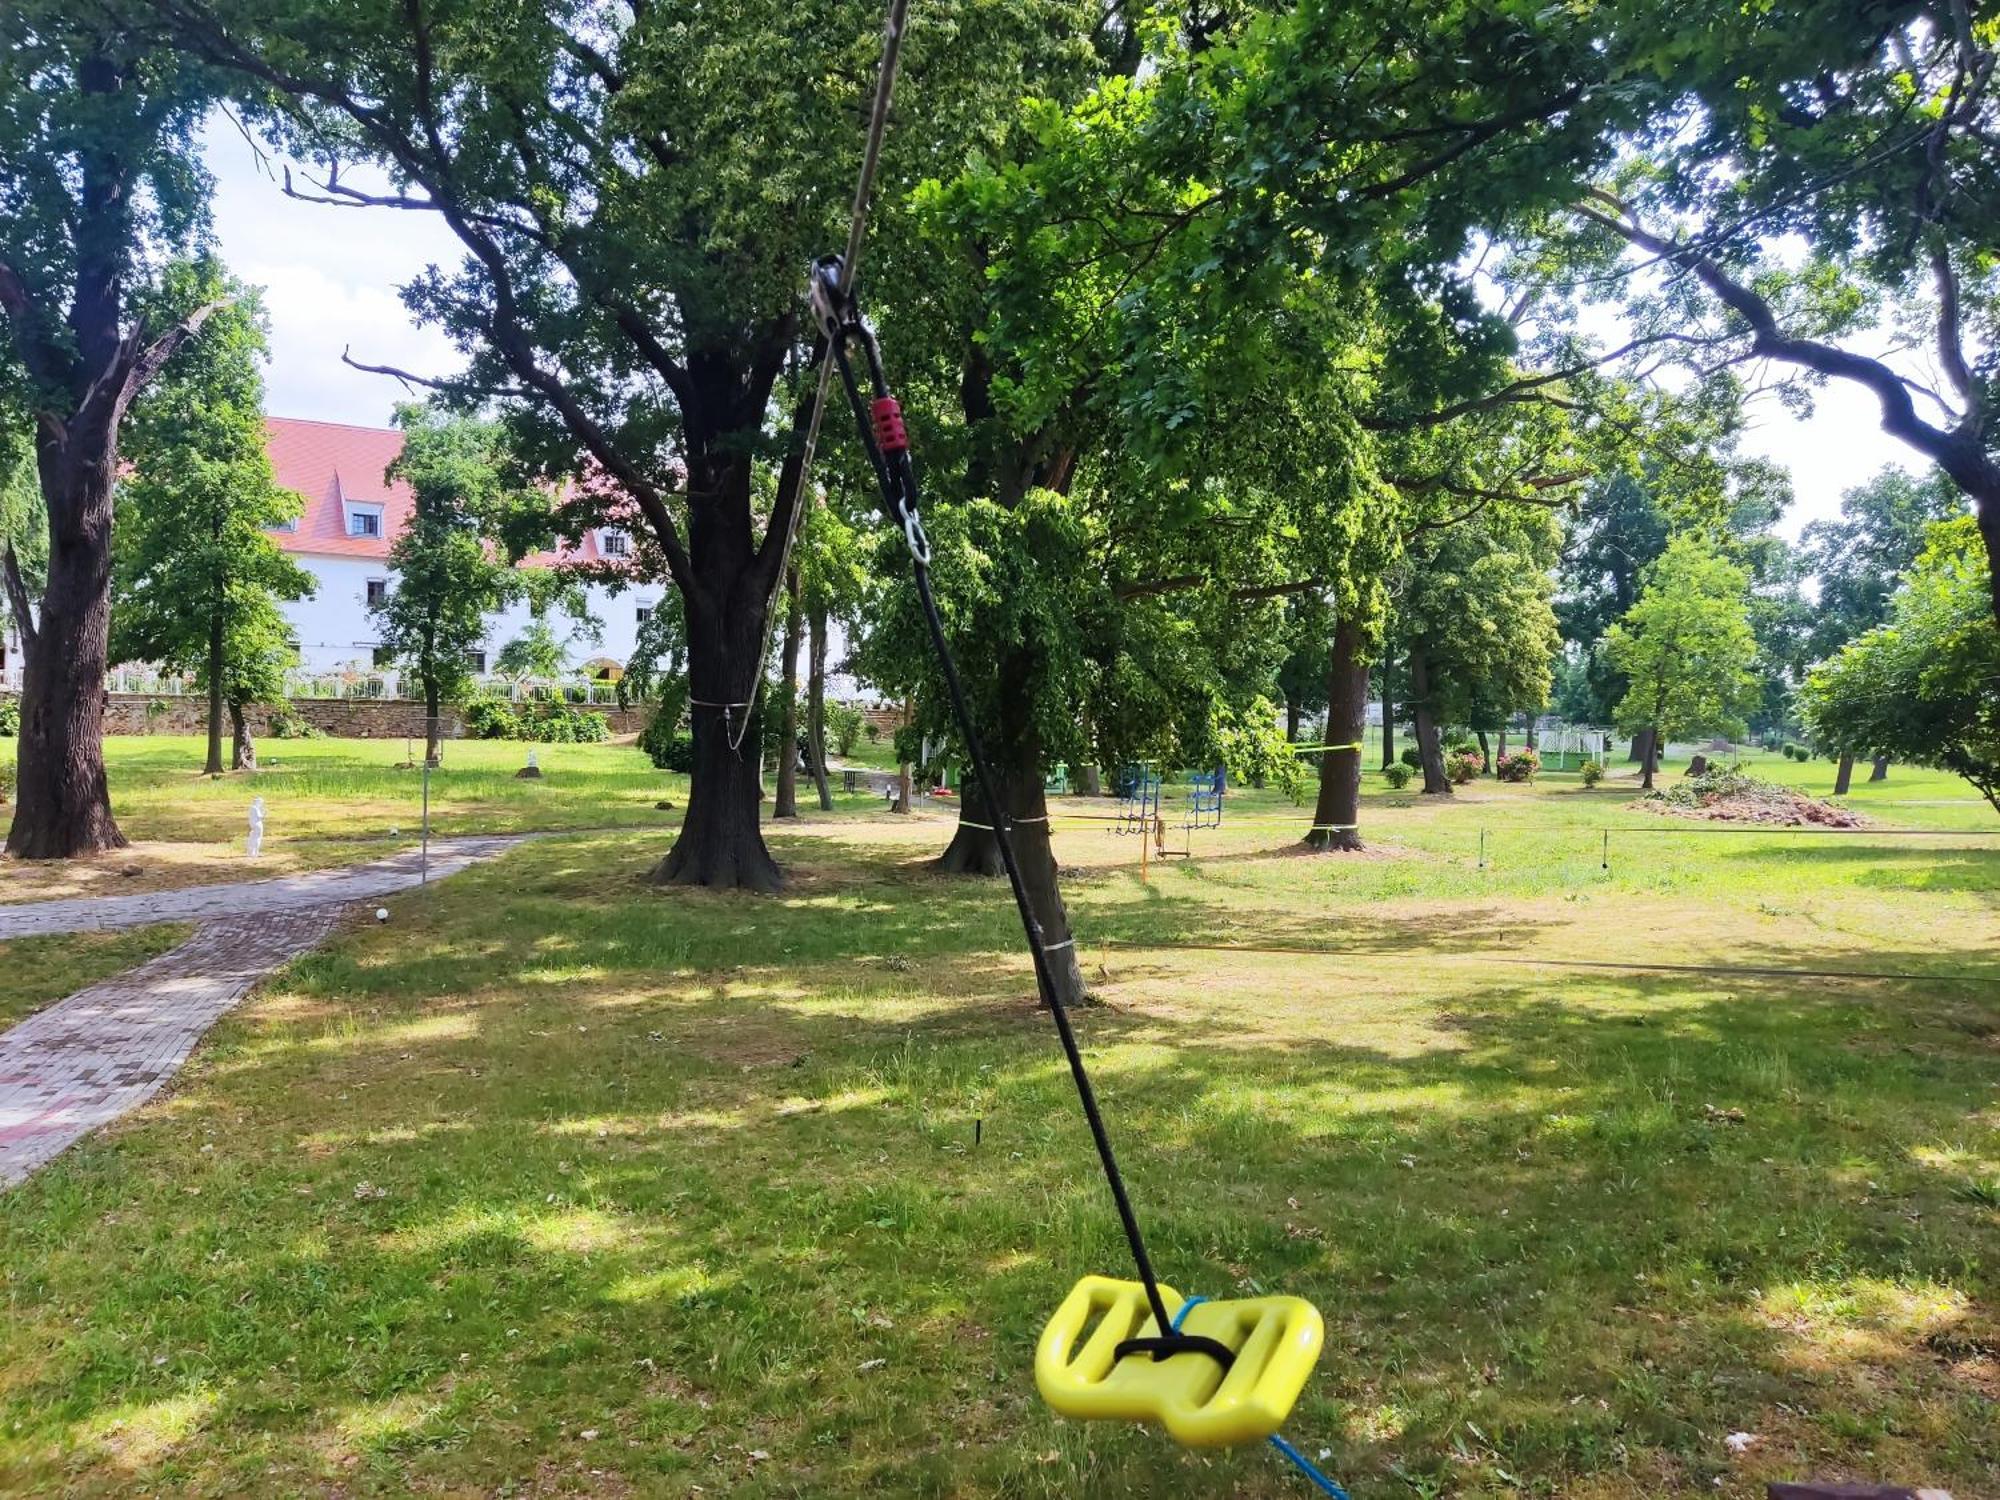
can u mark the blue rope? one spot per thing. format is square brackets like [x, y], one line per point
[1298, 1460]
[1304, 1466]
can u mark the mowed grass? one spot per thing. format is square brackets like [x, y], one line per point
[559, 1183]
[336, 802]
[34, 971]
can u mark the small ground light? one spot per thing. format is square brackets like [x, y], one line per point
[381, 913]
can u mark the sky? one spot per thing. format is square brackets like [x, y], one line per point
[330, 277]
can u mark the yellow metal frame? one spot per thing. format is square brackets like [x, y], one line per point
[1276, 1341]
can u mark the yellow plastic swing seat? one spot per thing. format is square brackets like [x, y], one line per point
[1276, 1341]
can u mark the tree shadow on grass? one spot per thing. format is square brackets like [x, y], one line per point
[687, 1210]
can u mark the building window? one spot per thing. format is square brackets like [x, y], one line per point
[364, 520]
[378, 591]
[476, 660]
[614, 544]
[644, 613]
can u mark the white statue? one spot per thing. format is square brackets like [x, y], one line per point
[256, 826]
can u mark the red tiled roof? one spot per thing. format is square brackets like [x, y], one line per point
[333, 465]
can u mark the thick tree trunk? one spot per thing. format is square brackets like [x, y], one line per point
[1430, 740]
[242, 748]
[1843, 778]
[816, 705]
[214, 766]
[975, 851]
[1880, 770]
[1088, 782]
[62, 803]
[1337, 814]
[1650, 739]
[1291, 721]
[1485, 753]
[721, 844]
[787, 805]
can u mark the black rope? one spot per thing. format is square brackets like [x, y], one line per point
[897, 478]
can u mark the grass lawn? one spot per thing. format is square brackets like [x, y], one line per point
[558, 1183]
[37, 970]
[336, 802]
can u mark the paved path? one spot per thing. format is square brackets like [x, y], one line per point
[248, 897]
[86, 1060]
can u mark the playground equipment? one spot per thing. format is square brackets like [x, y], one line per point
[1235, 1375]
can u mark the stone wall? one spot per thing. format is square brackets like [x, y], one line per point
[342, 718]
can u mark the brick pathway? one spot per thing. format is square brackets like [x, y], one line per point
[86, 1060]
[248, 897]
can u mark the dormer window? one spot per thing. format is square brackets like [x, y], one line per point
[364, 520]
[614, 544]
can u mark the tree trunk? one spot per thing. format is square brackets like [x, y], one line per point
[1388, 716]
[1844, 777]
[1430, 740]
[1502, 746]
[433, 737]
[62, 804]
[1088, 783]
[816, 705]
[1485, 753]
[1650, 738]
[975, 851]
[214, 766]
[1880, 770]
[1337, 814]
[1291, 721]
[1528, 734]
[242, 748]
[721, 844]
[787, 805]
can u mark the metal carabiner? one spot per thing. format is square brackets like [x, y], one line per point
[913, 533]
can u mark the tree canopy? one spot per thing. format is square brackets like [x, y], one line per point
[1924, 686]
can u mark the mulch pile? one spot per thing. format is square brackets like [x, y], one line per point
[1722, 795]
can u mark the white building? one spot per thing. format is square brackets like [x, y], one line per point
[352, 516]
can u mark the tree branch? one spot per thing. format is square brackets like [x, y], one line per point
[43, 357]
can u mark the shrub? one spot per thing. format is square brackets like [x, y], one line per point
[285, 724]
[10, 717]
[843, 727]
[1398, 775]
[491, 719]
[1591, 771]
[1463, 745]
[6, 779]
[1522, 765]
[666, 744]
[550, 721]
[872, 730]
[561, 723]
[1412, 757]
[1463, 766]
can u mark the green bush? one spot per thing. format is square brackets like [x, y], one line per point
[666, 744]
[285, 724]
[491, 719]
[1398, 775]
[10, 717]
[1462, 766]
[843, 727]
[1412, 757]
[871, 730]
[562, 723]
[1591, 771]
[549, 721]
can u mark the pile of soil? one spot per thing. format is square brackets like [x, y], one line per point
[1723, 795]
